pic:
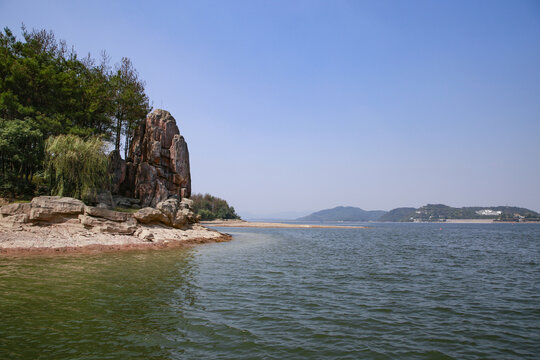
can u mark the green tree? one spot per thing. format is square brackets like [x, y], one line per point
[130, 103]
[211, 207]
[46, 86]
[206, 215]
[21, 155]
[41, 80]
[76, 167]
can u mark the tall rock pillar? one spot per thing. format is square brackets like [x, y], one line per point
[157, 166]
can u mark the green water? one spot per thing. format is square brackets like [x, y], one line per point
[406, 291]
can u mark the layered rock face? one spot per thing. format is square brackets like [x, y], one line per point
[157, 167]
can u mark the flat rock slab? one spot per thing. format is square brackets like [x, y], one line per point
[14, 209]
[107, 214]
[107, 226]
[47, 208]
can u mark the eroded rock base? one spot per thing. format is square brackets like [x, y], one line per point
[52, 222]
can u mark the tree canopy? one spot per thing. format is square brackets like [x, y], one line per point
[47, 90]
[210, 207]
[75, 167]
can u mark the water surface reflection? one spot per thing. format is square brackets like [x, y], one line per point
[94, 306]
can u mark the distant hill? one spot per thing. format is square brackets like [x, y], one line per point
[344, 213]
[398, 214]
[440, 212]
[429, 212]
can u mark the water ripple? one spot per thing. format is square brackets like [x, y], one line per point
[407, 291]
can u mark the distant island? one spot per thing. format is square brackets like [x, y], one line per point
[427, 213]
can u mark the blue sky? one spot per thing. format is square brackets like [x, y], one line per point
[295, 106]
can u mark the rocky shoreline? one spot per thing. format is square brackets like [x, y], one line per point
[52, 224]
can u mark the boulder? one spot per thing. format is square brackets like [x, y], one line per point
[175, 211]
[181, 218]
[150, 215]
[62, 205]
[169, 208]
[171, 212]
[51, 208]
[157, 166]
[107, 214]
[113, 227]
[186, 204]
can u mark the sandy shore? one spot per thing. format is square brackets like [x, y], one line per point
[72, 237]
[269, 225]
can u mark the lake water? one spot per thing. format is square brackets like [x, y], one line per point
[393, 291]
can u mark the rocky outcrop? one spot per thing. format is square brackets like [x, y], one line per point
[150, 215]
[50, 210]
[171, 212]
[157, 167]
[71, 226]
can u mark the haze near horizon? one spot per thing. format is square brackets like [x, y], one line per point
[306, 105]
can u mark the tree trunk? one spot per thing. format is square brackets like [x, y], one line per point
[118, 133]
[128, 143]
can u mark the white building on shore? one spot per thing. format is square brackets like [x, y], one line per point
[488, 212]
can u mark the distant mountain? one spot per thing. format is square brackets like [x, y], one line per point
[429, 212]
[344, 213]
[440, 212]
[399, 214]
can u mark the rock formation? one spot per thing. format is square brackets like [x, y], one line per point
[53, 225]
[157, 167]
[49, 210]
[170, 212]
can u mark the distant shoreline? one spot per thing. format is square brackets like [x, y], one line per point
[320, 225]
[476, 221]
[273, 225]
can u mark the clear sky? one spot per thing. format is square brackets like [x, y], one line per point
[296, 106]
